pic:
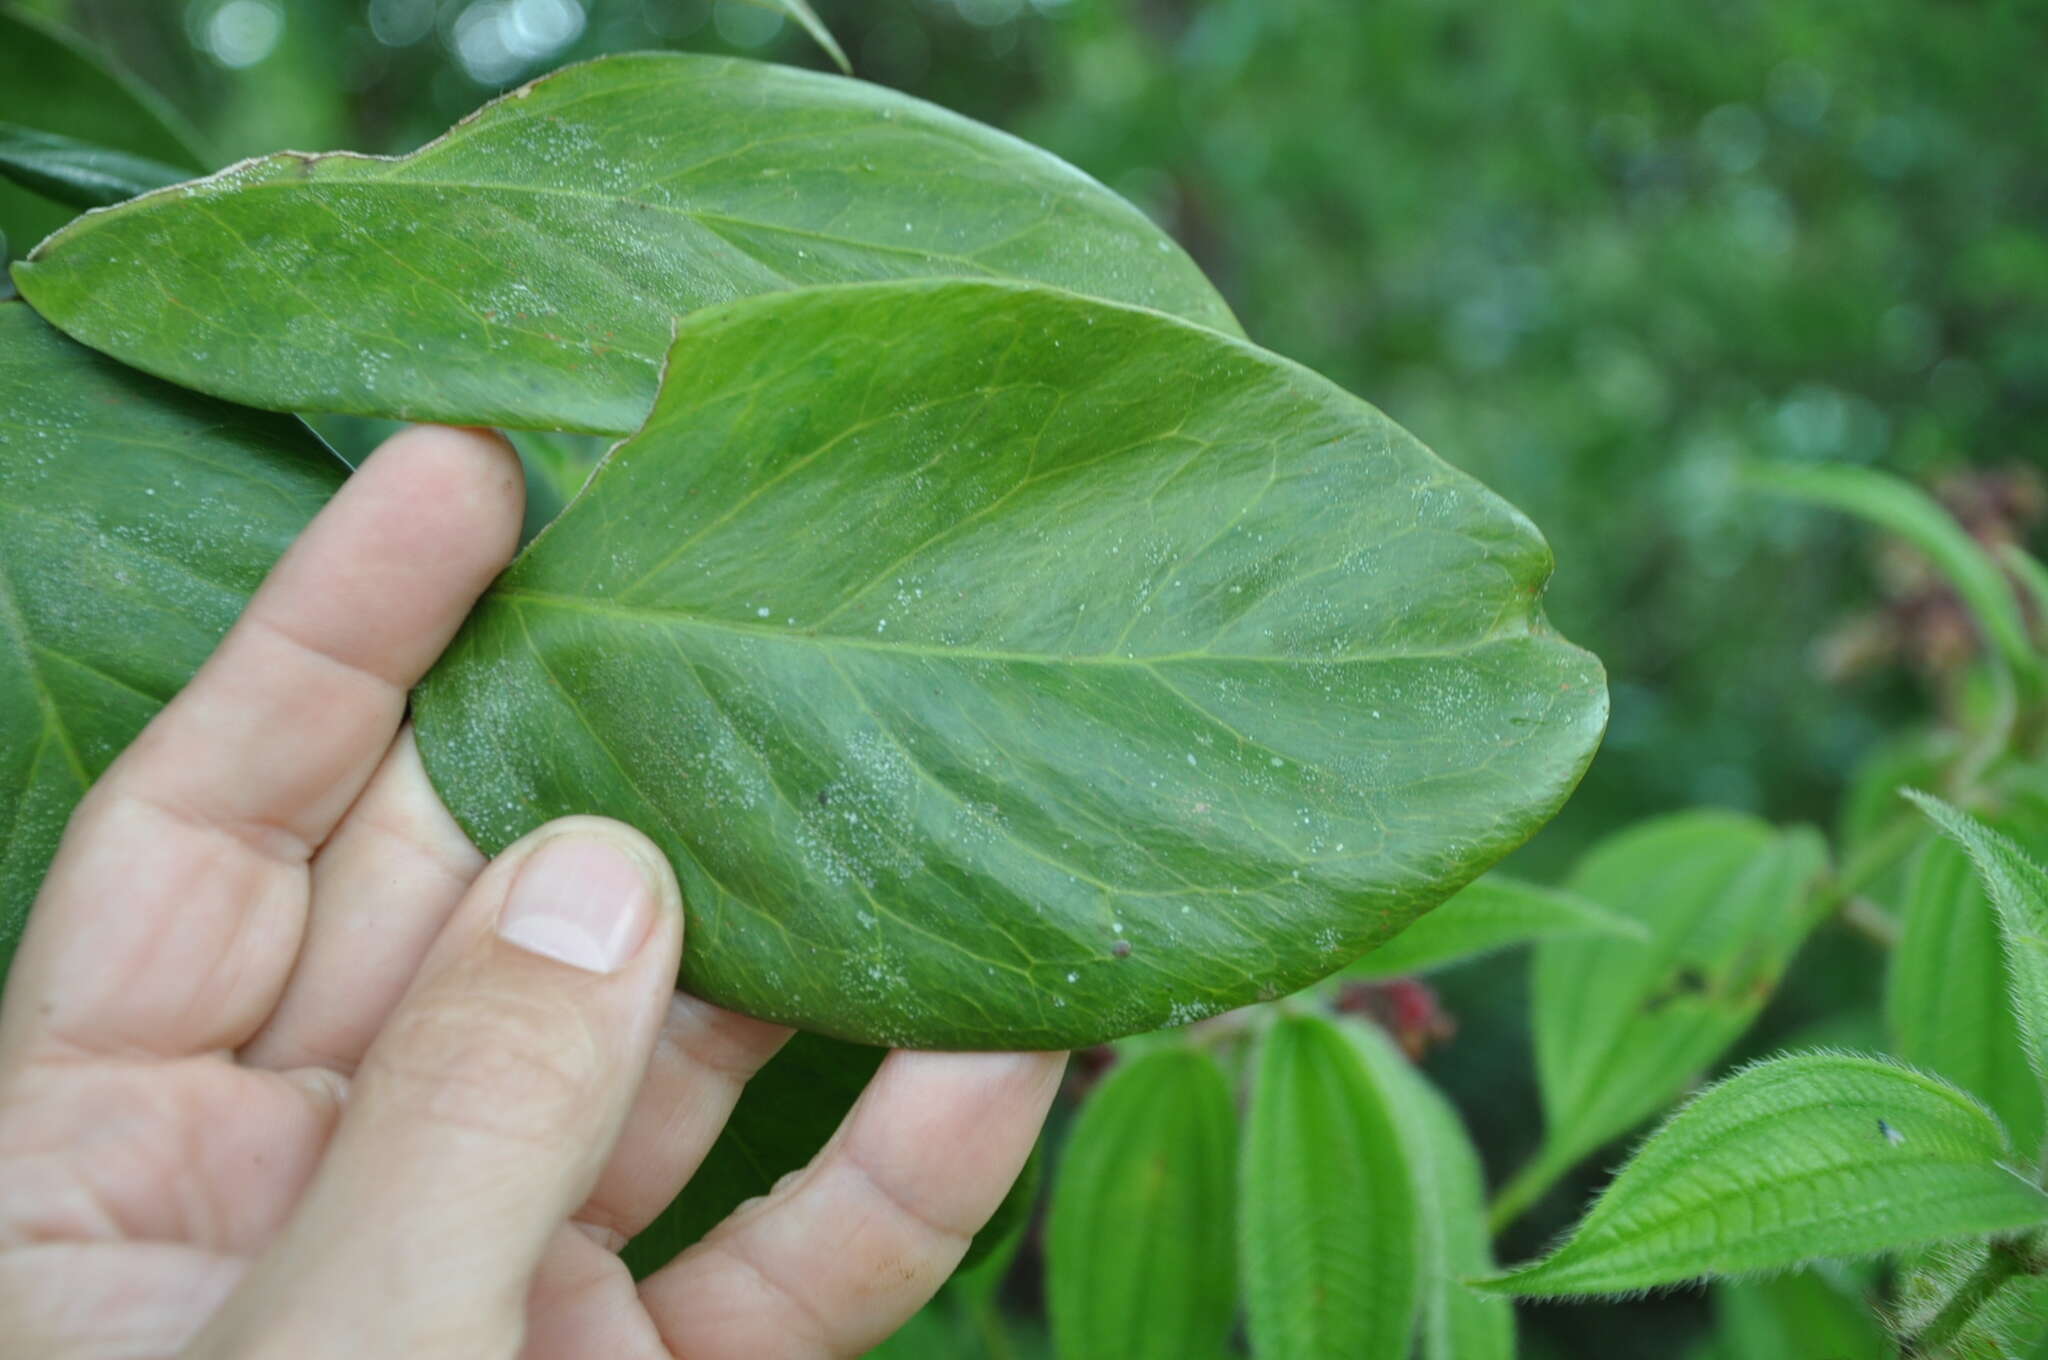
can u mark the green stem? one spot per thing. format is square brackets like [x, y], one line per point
[2007, 1261]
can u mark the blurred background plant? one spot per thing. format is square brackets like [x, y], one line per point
[1601, 254]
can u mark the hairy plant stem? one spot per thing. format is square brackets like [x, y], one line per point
[2009, 1258]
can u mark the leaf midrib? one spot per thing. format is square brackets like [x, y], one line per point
[935, 651]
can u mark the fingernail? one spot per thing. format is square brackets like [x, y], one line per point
[579, 900]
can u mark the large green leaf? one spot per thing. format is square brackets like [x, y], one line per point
[1002, 667]
[78, 173]
[1623, 1026]
[1946, 997]
[1455, 1321]
[1140, 1244]
[1798, 1158]
[2018, 887]
[526, 269]
[1494, 913]
[135, 519]
[51, 82]
[1327, 1205]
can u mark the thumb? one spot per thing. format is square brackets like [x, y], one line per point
[485, 1109]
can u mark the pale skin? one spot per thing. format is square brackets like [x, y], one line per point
[287, 1069]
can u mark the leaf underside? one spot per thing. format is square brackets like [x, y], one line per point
[135, 520]
[525, 269]
[1001, 667]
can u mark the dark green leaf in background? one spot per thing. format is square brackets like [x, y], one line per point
[526, 269]
[1454, 1321]
[80, 174]
[1001, 667]
[50, 82]
[1140, 1245]
[135, 520]
[807, 19]
[1494, 913]
[1811, 1156]
[1810, 1315]
[1623, 1026]
[1947, 999]
[1326, 1206]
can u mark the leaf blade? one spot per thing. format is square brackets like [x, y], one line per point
[76, 173]
[1327, 1206]
[1493, 913]
[1946, 995]
[1453, 1321]
[2018, 888]
[957, 802]
[1622, 1027]
[50, 80]
[525, 269]
[1139, 1245]
[1810, 1156]
[113, 588]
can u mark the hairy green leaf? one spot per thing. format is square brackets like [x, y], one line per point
[1326, 1204]
[1455, 1321]
[135, 520]
[1622, 1026]
[807, 19]
[1002, 667]
[80, 174]
[2018, 888]
[526, 269]
[50, 81]
[1494, 913]
[1898, 506]
[1802, 1157]
[1947, 997]
[1140, 1242]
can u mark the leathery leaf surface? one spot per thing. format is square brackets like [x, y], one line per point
[525, 269]
[1003, 667]
[135, 520]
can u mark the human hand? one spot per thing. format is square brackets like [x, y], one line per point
[286, 1069]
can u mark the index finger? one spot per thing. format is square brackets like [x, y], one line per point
[172, 913]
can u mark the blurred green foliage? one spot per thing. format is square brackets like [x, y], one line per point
[1600, 253]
